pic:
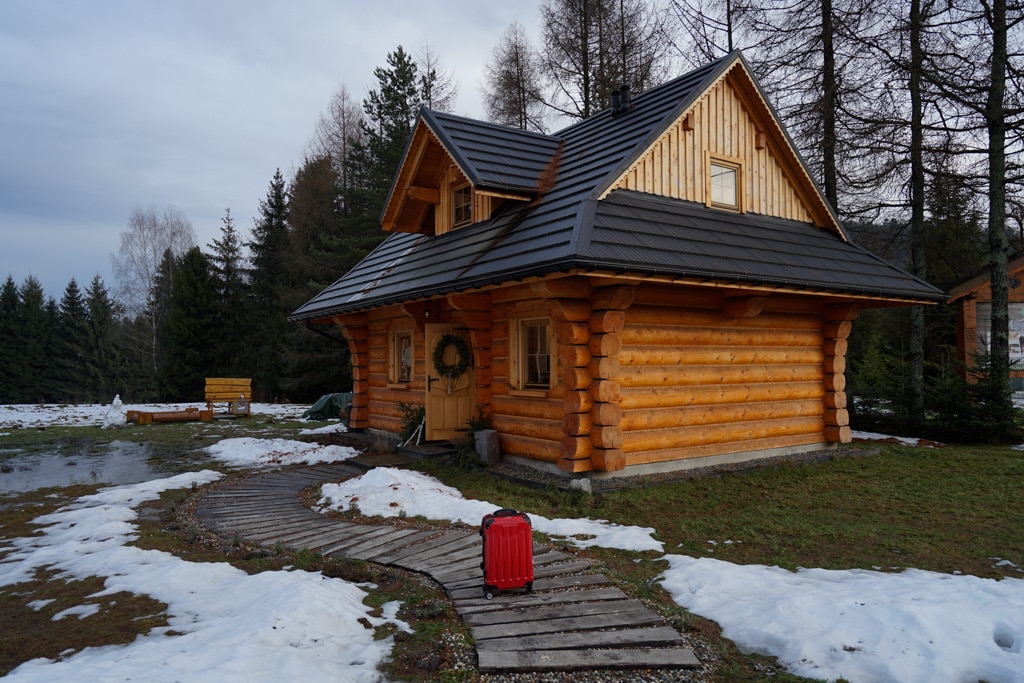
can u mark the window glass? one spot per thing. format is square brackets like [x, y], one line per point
[403, 356]
[536, 360]
[723, 185]
[462, 206]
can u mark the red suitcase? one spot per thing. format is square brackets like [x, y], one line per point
[508, 551]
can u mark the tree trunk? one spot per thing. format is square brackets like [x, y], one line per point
[995, 120]
[917, 238]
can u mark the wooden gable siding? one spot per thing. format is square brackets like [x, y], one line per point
[676, 165]
[697, 383]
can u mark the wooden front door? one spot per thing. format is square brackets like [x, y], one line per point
[449, 402]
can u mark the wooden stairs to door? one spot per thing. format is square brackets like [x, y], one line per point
[572, 620]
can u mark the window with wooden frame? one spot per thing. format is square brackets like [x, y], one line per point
[401, 360]
[530, 354]
[725, 178]
[462, 206]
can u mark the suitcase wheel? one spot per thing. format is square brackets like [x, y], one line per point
[488, 593]
[529, 586]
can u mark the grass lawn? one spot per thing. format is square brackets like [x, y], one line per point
[941, 509]
[951, 509]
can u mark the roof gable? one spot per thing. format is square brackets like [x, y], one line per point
[728, 118]
[447, 150]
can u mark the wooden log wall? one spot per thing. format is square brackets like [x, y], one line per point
[534, 424]
[838, 322]
[383, 397]
[356, 331]
[742, 375]
[570, 318]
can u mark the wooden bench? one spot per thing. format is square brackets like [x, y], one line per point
[236, 392]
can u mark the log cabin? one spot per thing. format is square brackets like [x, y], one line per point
[973, 301]
[660, 286]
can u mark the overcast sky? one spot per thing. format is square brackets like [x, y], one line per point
[108, 105]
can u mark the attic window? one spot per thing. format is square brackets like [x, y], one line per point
[462, 206]
[724, 183]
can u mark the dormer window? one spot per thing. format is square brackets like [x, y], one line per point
[724, 183]
[462, 206]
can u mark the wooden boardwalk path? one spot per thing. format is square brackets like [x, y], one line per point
[572, 620]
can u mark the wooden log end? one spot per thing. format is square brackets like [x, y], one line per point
[606, 437]
[835, 434]
[577, 402]
[608, 459]
[574, 466]
[575, 448]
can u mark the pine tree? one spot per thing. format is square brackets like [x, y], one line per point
[103, 372]
[71, 347]
[228, 263]
[190, 330]
[389, 114]
[267, 278]
[10, 342]
[35, 314]
[318, 256]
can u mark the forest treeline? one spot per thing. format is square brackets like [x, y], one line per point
[907, 113]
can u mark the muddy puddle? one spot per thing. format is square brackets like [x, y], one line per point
[119, 462]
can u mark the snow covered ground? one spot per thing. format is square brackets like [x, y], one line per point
[54, 415]
[861, 625]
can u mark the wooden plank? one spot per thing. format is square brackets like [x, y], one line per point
[437, 548]
[570, 610]
[412, 552]
[594, 622]
[358, 536]
[565, 660]
[657, 636]
[399, 543]
[466, 554]
[552, 584]
[501, 602]
[311, 538]
[255, 524]
[370, 545]
[472, 574]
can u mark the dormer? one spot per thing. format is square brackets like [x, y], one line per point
[457, 172]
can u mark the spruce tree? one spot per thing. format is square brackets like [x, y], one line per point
[313, 364]
[188, 337]
[10, 342]
[103, 371]
[228, 264]
[32, 376]
[71, 347]
[267, 277]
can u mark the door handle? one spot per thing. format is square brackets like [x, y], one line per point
[430, 382]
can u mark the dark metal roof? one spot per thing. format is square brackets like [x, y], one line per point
[645, 233]
[492, 156]
[568, 227]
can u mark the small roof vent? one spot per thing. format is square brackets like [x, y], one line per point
[621, 102]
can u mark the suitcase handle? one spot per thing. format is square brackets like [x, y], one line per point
[505, 512]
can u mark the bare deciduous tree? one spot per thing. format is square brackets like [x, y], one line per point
[337, 129]
[437, 84]
[513, 93]
[591, 47]
[149, 237]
